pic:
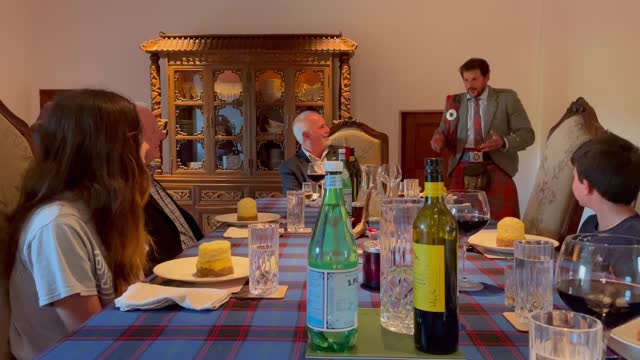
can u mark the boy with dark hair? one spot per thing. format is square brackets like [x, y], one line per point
[606, 179]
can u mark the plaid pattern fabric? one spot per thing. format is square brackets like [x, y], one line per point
[501, 190]
[477, 123]
[160, 195]
[275, 329]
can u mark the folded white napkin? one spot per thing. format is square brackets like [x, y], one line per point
[143, 296]
[235, 233]
[240, 233]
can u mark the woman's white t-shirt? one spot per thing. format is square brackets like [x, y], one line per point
[59, 254]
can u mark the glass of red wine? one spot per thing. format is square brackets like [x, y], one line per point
[470, 208]
[599, 275]
[317, 177]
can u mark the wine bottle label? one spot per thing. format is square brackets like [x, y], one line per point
[428, 277]
[434, 189]
[333, 181]
[332, 299]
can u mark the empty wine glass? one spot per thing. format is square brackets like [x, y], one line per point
[389, 177]
[470, 208]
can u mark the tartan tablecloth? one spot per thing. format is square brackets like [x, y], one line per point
[275, 329]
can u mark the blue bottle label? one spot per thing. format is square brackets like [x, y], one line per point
[333, 181]
[332, 299]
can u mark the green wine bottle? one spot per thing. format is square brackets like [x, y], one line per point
[332, 272]
[355, 172]
[435, 268]
[347, 188]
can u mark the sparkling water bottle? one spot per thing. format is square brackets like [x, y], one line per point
[332, 272]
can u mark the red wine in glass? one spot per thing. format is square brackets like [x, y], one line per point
[613, 302]
[470, 224]
[316, 177]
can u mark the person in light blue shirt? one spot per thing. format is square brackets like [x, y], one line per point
[77, 238]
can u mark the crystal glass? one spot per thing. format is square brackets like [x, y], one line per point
[534, 277]
[509, 286]
[470, 208]
[308, 189]
[564, 335]
[389, 177]
[295, 210]
[599, 275]
[396, 284]
[263, 258]
[411, 188]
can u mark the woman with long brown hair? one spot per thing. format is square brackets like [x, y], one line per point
[77, 239]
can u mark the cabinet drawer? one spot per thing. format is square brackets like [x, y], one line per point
[207, 217]
[183, 195]
[268, 191]
[220, 194]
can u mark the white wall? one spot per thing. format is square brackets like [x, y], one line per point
[592, 50]
[407, 58]
[15, 59]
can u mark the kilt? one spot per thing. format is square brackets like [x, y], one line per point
[501, 190]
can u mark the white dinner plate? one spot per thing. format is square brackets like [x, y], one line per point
[487, 239]
[624, 339]
[184, 269]
[233, 219]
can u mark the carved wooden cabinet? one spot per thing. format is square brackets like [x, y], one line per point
[230, 101]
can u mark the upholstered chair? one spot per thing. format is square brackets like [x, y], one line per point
[15, 155]
[372, 147]
[553, 210]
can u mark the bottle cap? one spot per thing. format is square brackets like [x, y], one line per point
[334, 166]
[432, 163]
[371, 246]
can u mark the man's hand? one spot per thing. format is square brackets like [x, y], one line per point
[495, 142]
[437, 141]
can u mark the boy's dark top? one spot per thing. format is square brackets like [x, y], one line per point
[629, 226]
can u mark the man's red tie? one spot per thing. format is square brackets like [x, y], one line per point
[477, 124]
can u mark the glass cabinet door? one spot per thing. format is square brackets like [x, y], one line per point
[190, 129]
[310, 90]
[230, 120]
[270, 110]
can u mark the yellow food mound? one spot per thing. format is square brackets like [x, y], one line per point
[247, 210]
[510, 229]
[214, 259]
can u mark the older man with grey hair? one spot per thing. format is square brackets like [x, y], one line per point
[312, 133]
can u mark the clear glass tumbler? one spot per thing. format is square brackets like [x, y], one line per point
[295, 210]
[263, 258]
[564, 334]
[411, 188]
[534, 277]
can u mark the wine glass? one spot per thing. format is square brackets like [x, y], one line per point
[317, 177]
[470, 208]
[307, 188]
[389, 177]
[599, 275]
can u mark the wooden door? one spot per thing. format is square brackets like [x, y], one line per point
[417, 129]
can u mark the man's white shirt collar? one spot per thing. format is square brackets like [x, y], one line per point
[318, 163]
